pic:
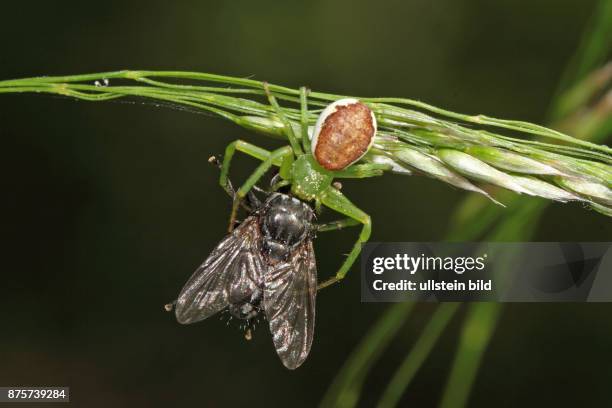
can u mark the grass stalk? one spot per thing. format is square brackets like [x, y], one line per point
[345, 389]
[475, 336]
[569, 109]
[417, 355]
[469, 152]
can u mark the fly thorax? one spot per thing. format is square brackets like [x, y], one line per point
[276, 252]
[286, 222]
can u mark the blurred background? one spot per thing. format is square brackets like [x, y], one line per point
[107, 208]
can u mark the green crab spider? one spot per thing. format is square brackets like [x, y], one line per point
[306, 177]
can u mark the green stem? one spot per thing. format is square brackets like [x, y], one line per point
[345, 390]
[417, 355]
[475, 336]
[250, 87]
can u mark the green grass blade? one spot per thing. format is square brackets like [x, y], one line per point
[522, 222]
[594, 48]
[475, 336]
[417, 355]
[345, 390]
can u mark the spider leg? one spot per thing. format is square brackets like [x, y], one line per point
[282, 157]
[334, 199]
[288, 128]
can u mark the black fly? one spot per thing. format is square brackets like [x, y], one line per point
[266, 266]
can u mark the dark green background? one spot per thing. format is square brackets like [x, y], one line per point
[108, 207]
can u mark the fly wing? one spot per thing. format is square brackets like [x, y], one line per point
[230, 273]
[290, 290]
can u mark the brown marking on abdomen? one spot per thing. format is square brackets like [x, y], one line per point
[345, 136]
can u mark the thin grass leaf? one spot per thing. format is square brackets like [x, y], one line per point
[345, 389]
[417, 355]
[522, 222]
[592, 52]
[475, 336]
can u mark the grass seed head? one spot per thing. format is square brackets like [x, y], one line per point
[597, 192]
[514, 162]
[455, 148]
[476, 169]
[384, 159]
[546, 190]
[433, 167]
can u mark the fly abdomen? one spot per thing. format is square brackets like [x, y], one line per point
[243, 310]
[247, 308]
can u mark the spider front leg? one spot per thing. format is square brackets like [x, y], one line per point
[282, 157]
[246, 148]
[335, 200]
[252, 202]
[288, 129]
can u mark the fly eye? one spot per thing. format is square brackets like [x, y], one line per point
[344, 132]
